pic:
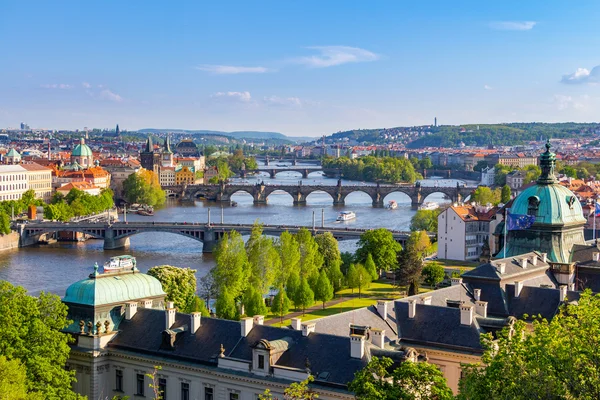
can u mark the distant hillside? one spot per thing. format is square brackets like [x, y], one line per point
[470, 135]
[235, 135]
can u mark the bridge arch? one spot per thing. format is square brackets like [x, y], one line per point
[438, 196]
[196, 235]
[397, 195]
[311, 172]
[315, 194]
[95, 233]
[281, 196]
[291, 173]
[362, 195]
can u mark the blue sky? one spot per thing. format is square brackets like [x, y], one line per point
[302, 68]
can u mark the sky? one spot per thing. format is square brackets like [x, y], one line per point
[302, 68]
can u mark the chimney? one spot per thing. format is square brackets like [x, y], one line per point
[382, 309]
[544, 257]
[481, 308]
[296, 324]
[170, 315]
[477, 294]
[518, 288]
[501, 268]
[246, 324]
[412, 308]
[534, 260]
[563, 292]
[456, 281]
[196, 321]
[426, 300]
[572, 286]
[466, 314]
[378, 337]
[357, 346]
[130, 309]
[308, 328]
[259, 319]
[146, 303]
[524, 262]
[596, 256]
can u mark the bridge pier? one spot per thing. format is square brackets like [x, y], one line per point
[112, 243]
[299, 199]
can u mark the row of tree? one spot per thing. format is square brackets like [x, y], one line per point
[484, 195]
[77, 203]
[374, 169]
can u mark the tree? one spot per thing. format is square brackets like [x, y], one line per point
[484, 195]
[532, 172]
[143, 188]
[410, 266]
[371, 268]
[569, 171]
[281, 304]
[347, 259]
[351, 277]
[329, 249]
[304, 296]
[178, 283]
[433, 274]
[410, 381]
[293, 283]
[208, 288]
[323, 289]
[505, 196]
[198, 305]
[425, 220]
[296, 391]
[58, 212]
[253, 302]
[225, 305]
[420, 241]
[481, 164]
[289, 254]
[4, 223]
[544, 360]
[362, 279]
[13, 384]
[381, 245]
[231, 270]
[263, 259]
[310, 258]
[31, 331]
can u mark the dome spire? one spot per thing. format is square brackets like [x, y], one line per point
[547, 165]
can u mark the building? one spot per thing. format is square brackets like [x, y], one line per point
[123, 327]
[13, 182]
[149, 158]
[463, 230]
[12, 157]
[194, 163]
[209, 173]
[119, 170]
[167, 176]
[184, 176]
[519, 160]
[166, 155]
[82, 155]
[39, 179]
[80, 185]
[515, 179]
[488, 176]
[187, 148]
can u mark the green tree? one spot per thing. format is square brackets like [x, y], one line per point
[481, 164]
[532, 172]
[310, 258]
[263, 259]
[231, 270]
[410, 381]
[4, 223]
[289, 254]
[329, 249]
[433, 273]
[347, 259]
[323, 289]
[426, 163]
[410, 266]
[281, 304]
[293, 283]
[296, 391]
[362, 279]
[484, 195]
[13, 380]
[31, 331]
[419, 241]
[178, 283]
[371, 268]
[304, 296]
[58, 212]
[505, 196]
[143, 188]
[225, 305]
[544, 360]
[381, 245]
[569, 171]
[253, 302]
[199, 305]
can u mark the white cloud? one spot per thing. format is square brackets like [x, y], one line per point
[513, 25]
[563, 102]
[57, 86]
[487, 87]
[242, 97]
[583, 75]
[86, 85]
[232, 69]
[330, 56]
[110, 96]
[282, 101]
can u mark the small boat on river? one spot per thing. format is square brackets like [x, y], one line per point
[346, 216]
[392, 205]
[429, 205]
[119, 263]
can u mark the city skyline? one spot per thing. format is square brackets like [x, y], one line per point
[300, 69]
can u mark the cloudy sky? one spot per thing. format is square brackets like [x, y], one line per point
[303, 68]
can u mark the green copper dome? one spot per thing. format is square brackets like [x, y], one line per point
[82, 150]
[100, 289]
[555, 204]
[13, 153]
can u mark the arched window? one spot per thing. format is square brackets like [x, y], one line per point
[533, 205]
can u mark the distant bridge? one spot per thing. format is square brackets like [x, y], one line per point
[274, 171]
[293, 160]
[260, 192]
[117, 235]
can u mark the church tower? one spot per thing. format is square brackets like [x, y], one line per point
[167, 154]
[149, 159]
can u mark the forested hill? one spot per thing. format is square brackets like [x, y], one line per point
[471, 135]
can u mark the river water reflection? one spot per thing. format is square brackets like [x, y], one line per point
[54, 267]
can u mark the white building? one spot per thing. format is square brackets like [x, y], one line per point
[166, 176]
[462, 230]
[13, 182]
[488, 175]
[39, 179]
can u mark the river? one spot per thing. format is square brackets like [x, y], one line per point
[54, 267]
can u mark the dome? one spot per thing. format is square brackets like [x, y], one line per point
[100, 289]
[555, 205]
[82, 150]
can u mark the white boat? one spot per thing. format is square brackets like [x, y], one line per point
[392, 205]
[429, 205]
[119, 263]
[346, 216]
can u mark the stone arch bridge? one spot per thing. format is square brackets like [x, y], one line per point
[299, 193]
[116, 235]
[274, 171]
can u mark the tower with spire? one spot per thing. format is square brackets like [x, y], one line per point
[149, 158]
[117, 131]
[167, 154]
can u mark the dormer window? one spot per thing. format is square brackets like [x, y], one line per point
[533, 205]
[261, 361]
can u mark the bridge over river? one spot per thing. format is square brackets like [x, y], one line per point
[117, 235]
[260, 192]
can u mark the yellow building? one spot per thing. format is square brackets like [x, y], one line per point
[184, 176]
[39, 179]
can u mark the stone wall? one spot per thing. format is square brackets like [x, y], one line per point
[10, 241]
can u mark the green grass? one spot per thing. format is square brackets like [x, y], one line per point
[347, 305]
[378, 290]
[454, 264]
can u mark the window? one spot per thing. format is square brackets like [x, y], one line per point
[119, 380]
[162, 388]
[185, 391]
[261, 362]
[140, 384]
[533, 204]
[208, 393]
[234, 396]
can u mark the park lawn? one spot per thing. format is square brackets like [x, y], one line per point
[347, 305]
[454, 264]
[378, 290]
